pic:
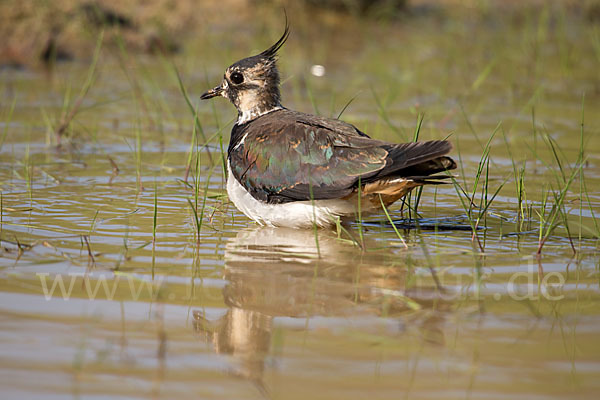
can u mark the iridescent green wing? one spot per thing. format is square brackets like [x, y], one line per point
[279, 162]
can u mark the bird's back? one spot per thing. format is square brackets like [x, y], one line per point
[287, 156]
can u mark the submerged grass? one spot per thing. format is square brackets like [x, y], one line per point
[551, 211]
[557, 214]
[192, 109]
[414, 196]
[70, 111]
[6, 121]
[138, 156]
[519, 181]
[387, 214]
[198, 210]
[154, 227]
[476, 213]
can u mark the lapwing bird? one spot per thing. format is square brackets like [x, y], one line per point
[287, 168]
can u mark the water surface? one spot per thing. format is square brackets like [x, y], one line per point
[234, 310]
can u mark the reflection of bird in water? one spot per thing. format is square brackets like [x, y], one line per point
[244, 334]
[275, 272]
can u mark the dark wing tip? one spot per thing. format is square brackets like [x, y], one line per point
[272, 51]
[410, 155]
[439, 145]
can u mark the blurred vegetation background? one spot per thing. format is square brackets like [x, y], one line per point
[39, 32]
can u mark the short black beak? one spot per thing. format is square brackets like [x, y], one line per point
[212, 93]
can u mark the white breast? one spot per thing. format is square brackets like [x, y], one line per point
[297, 214]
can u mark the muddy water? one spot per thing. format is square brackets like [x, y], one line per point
[95, 304]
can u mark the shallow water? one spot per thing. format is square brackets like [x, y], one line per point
[240, 311]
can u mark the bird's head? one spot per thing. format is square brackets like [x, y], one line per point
[252, 84]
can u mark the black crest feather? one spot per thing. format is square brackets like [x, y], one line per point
[271, 52]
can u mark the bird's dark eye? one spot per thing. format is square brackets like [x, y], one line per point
[237, 78]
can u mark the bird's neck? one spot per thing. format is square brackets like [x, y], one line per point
[252, 104]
